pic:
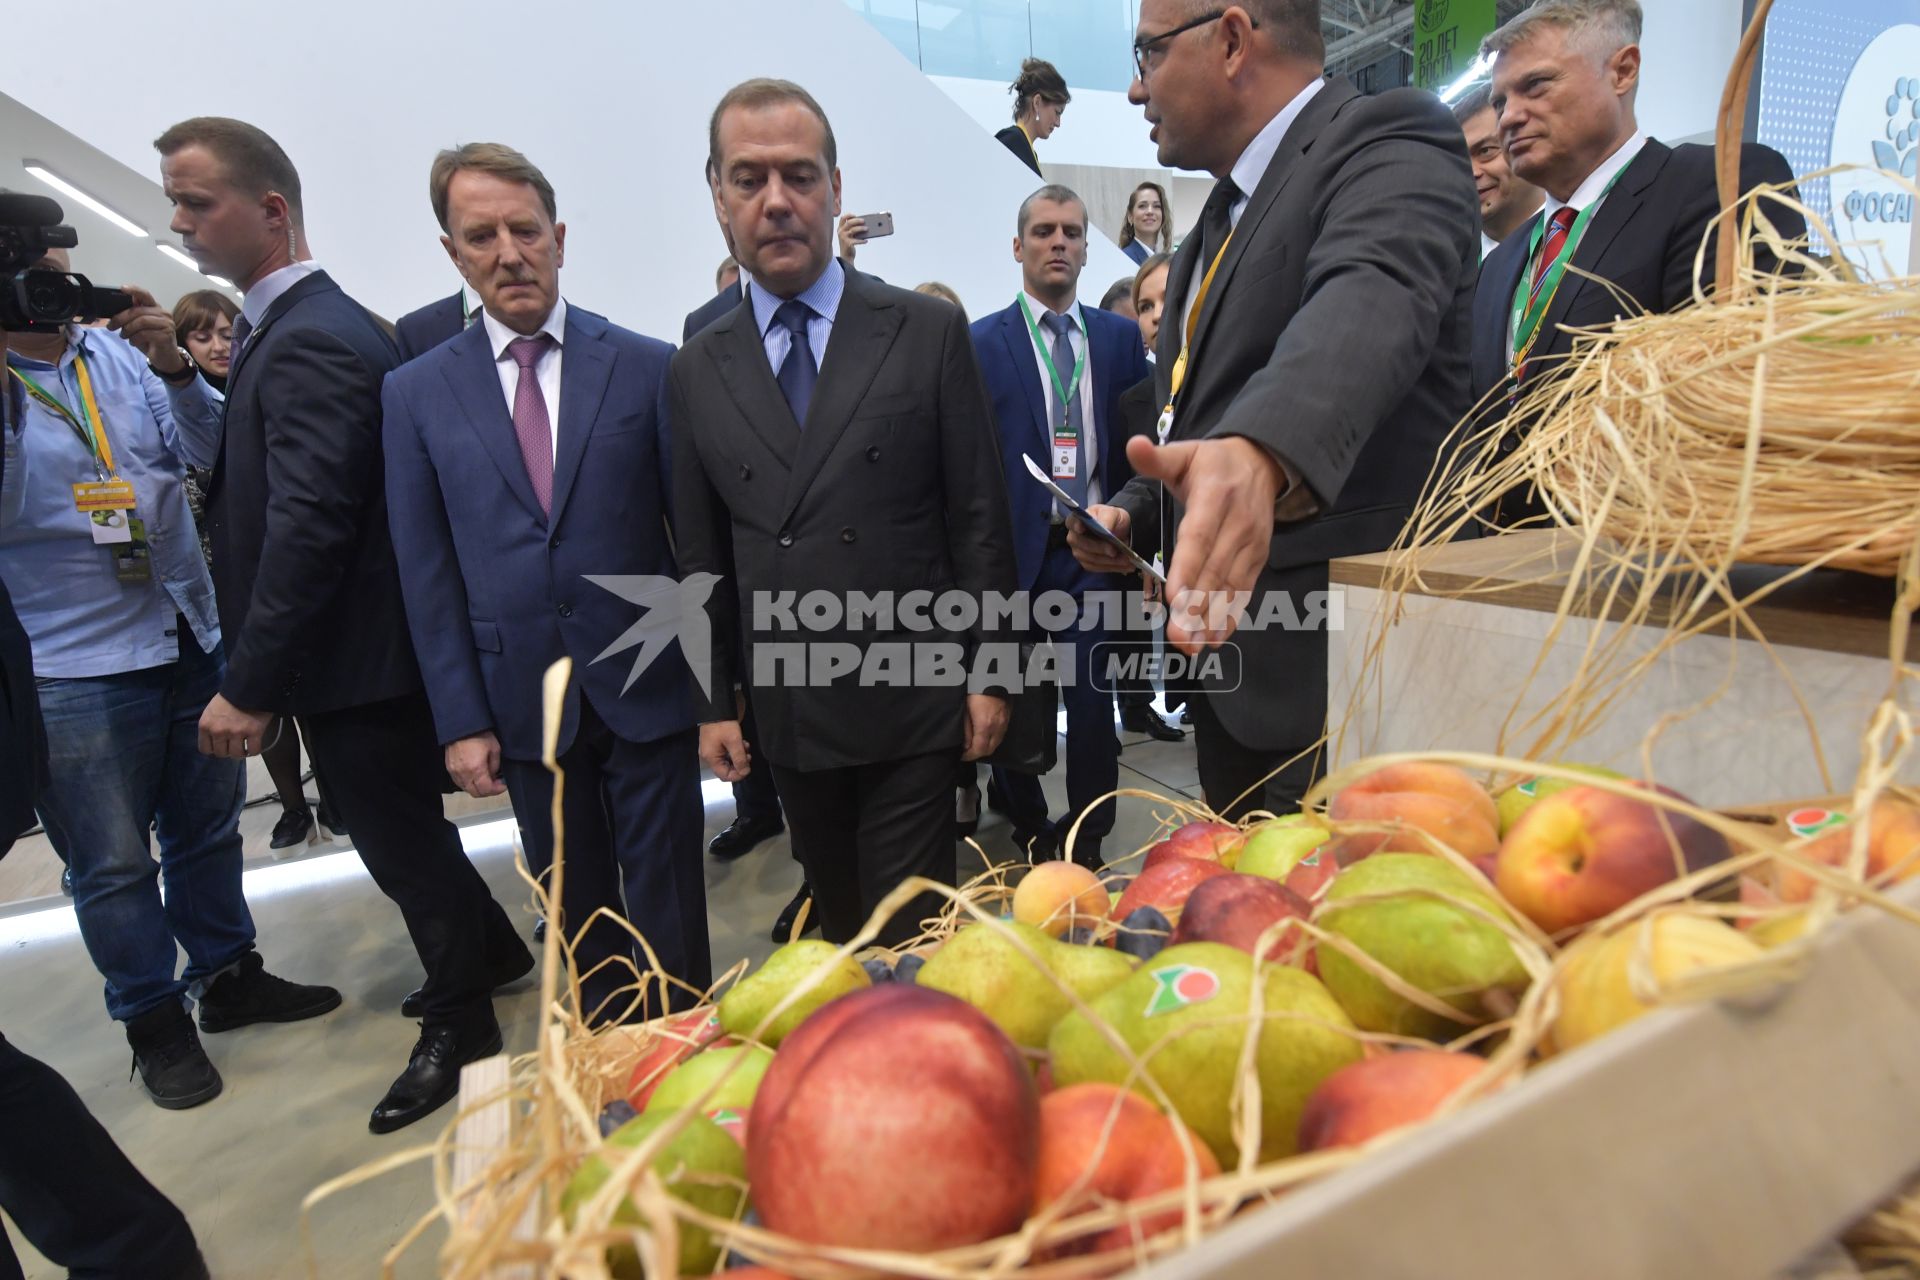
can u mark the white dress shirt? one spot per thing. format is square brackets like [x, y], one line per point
[1487, 245]
[268, 288]
[1089, 430]
[546, 370]
[1247, 172]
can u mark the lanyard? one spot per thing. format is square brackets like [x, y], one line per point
[1525, 323]
[89, 426]
[1179, 375]
[1067, 390]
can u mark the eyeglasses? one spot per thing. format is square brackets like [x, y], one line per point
[1145, 51]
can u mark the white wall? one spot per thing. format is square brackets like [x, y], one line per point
[1686, 48]
[610, 100]
[1100, 127]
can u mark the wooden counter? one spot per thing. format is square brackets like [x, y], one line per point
[1828, 610]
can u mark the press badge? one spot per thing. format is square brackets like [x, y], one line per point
[110, 527]
[1164, 427]
[1066, 457]
[103, 495]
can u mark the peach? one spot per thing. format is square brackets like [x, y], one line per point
[1166, 886]
[1584, 853]
[895, 1118]
[1438, 799]
[1100, 1144]
[1893, 850]
[1359, 1102]
[1237, 910]
[1060, 895]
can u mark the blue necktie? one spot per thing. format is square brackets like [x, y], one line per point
[798, 372]
[1069, 413]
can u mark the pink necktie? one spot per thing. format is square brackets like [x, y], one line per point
[530, 421]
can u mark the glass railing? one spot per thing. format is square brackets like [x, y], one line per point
[1090, 41]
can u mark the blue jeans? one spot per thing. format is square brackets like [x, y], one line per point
[124, 759]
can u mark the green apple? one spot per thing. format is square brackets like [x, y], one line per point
[701, 1165]
[685, 1084]
[1273, 848]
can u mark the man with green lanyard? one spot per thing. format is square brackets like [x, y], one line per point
[1624, 216]
[98, 550]
[1055, 371]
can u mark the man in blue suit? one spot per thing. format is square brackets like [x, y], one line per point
[527, 479]
[1055, 371]
[421, 330]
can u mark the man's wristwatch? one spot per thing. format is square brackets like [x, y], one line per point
[183, 376]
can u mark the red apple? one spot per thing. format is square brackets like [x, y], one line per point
[1312, 874]
[895, 1118]
[1207, 841]
[1166, 886]
[1893, 849]
[1365, 1099]
[1583, 853]
[1438, 799]
[672, 1042]
[1236, 910]
[1100, 1144]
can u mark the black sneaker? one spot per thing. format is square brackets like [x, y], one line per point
[168, 1056]
[250, 994]
[292, 829]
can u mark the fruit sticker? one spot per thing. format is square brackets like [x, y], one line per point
[1180, 985]
[732, 1121]
[1530, 788]
[1810, 822]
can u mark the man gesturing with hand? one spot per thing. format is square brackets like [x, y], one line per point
[1312, 359]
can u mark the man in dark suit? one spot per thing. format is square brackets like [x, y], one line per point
[420, 331]
[1314, 355]
[1055, 371]
[722, 303]
[1620, 206]
[309, 591]
[496, 544]
[844, 445]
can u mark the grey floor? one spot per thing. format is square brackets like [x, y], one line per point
[294, 1111]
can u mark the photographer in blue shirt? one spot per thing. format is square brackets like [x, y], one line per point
[99, 552]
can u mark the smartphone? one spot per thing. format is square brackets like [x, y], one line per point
[878, 224]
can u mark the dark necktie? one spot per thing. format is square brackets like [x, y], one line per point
[242, 327]
[1068, 414]
[530, 422]
[1216, 224]
[798, 372]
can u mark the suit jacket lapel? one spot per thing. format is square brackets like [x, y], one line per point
[1280, 170]
[1013, 328]
[741, 359]
[475, 384]
[1622, 203]
[1100, 368]
[311, 283]
[586, 366]
[863, 331]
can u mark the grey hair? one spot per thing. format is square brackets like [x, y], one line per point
[1601, 27]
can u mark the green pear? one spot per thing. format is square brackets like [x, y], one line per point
[685, 1084]
[1520, 797]
[982, 965]
[1273, 848]
[747, 1005]
[1183, 1013]
[1433, 945]
[701, 1165]
[1089, 971]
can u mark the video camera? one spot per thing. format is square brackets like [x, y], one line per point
[40, 301]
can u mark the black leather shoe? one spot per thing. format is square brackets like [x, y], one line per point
[996, 798]
[742, 834]
[1146, 720]
[432, 1077]
[250, 994]
[783, 927]
[1041, 845]
[1087, 853]
[505, 973]
[167, 1054]
[292, 829]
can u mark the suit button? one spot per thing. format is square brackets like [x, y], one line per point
[1508, 444]
[846, 535]
[873, 454]
[554, 542]
[746, 472]
[566, 611]
[786, 539]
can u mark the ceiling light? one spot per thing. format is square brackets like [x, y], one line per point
[1466, 81]
[186, 261]
[66, 188]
